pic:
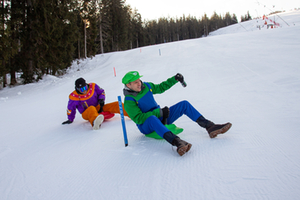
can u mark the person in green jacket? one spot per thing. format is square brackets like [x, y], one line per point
[142, 108]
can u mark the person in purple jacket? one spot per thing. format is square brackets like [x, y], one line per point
[89, 100]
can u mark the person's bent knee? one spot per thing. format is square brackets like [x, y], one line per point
[152, 119]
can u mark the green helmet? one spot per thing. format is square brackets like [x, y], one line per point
[130, 77]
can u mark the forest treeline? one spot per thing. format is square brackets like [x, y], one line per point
[44, 36]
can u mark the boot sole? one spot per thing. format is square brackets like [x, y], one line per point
[98, 121]
[220, 131]
[184, 149]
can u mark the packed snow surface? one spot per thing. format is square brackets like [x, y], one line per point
[239, 74]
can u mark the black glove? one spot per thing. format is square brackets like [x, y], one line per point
[67, 122]
[180, 78]
[165, 114]
[101, 103]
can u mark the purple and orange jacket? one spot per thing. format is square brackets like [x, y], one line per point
[82, 101]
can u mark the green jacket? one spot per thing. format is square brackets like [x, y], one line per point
[141, 105]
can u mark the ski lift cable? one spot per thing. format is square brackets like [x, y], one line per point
[273, 12]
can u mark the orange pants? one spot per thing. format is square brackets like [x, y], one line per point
[91, 113]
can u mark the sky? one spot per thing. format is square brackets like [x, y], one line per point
[196, 8]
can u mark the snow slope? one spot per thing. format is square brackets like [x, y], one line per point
[281, 20]
[250, 78]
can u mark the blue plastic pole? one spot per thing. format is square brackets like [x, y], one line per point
[123, 121]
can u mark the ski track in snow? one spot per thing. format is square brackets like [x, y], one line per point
[250, 78]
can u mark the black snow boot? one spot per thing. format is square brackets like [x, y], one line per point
[182, 146]
[203, 122]
[213, 129]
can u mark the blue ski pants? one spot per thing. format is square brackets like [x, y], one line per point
[154, 124]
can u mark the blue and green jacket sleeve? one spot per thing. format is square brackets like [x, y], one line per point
[142, 105]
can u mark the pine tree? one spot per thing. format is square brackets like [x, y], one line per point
[206, 22]
[18, 22]
[43, 37]
[246, 17]
[8, 46]
[234, 18]
[135, 33]
[89, 13]
[119, 26]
